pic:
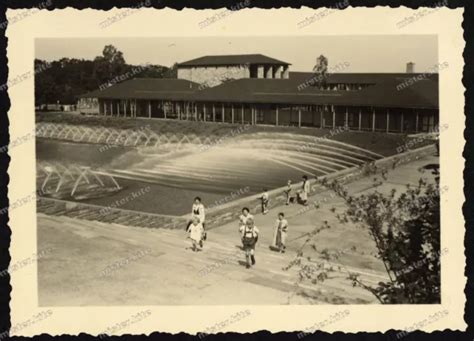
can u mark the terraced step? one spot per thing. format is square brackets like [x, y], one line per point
[220, 258]
[84, 211]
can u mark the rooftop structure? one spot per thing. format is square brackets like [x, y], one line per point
[215, 70]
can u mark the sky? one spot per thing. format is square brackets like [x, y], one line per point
[374, 53]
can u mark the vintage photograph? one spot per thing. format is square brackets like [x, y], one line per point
[238, 170]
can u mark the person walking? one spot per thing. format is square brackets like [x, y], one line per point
[249, 234]
[303, 193]
[199, 211]
[279, 236]
[265, 200]
[244, 216]
[288, 192]
[195, 231]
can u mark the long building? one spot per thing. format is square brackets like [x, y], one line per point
[255, 89]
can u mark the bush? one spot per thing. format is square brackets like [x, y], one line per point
[405, 228]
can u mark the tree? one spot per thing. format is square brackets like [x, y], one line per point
[112, 55]
[406, 231]
[320, 72]
[172, 72]
[46, 89]
[111, 64]
[151, 71]
[63, 80]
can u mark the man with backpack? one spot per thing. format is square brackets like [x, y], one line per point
[249, 233]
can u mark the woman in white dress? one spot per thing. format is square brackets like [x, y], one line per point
[303, 193]
[199, 212]
[244, 217]
[281, 230]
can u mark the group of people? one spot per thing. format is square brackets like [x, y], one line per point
[301, 195]
[196, 225]
[249, 232]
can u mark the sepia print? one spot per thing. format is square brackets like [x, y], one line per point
[237, 171]
[233, 170]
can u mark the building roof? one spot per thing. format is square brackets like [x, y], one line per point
[388, 90]
[238, 59]
[147, 88]
[421, 94]
[361, 78]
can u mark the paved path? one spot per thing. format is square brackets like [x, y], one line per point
[156, 266]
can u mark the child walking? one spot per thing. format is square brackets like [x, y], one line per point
[199, 211]
[265, 200]
[195, 231]
[249, 234]
[288, 192]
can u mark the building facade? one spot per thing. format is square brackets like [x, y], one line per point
[209, 76]
[392, 103]
[214, 70]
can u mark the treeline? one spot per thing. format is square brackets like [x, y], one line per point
[63, 80]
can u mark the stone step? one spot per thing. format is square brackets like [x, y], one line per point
[92, 213]
[78, 213]
[221, 258]
[87, 214]
[224, 250]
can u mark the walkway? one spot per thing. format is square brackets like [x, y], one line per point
[93, 263]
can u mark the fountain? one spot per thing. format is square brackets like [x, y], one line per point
[204, 163]
[72, 181]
